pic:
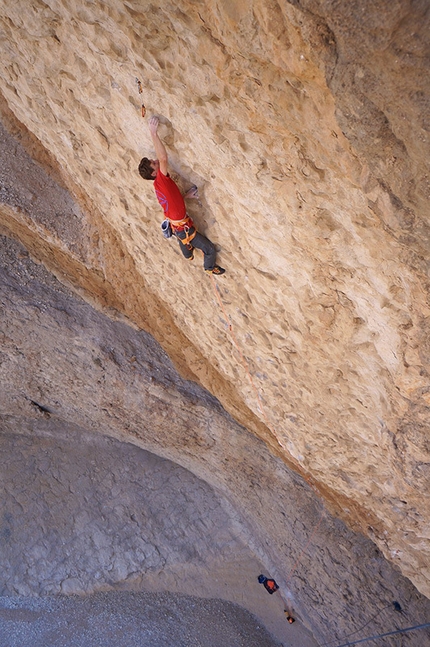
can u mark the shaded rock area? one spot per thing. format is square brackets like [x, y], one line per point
[94, 512]
[87, 513]
[72, 375]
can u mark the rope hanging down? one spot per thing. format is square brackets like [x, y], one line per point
[297, 562]
[301, 471]
[262, 409]
[389, 633]
[242, 357]
[393, 604]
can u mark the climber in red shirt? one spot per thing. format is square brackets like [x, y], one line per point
[172, 202]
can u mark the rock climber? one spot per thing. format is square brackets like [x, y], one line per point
[172, 202]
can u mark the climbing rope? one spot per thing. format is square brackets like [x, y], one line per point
[241, 355]
[308, 479]
[394, 604]
[389, 633]
[269, 425]
[297, 562]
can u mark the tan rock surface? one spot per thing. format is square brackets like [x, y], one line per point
[84, 510]
[303, 126]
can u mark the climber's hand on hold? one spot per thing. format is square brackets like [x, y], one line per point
[153, 125]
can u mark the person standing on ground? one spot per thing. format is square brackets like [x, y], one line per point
[172, 202]
[271, 587]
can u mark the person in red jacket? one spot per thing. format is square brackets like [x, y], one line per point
[271, 587]
[269, 584]
[173, 205]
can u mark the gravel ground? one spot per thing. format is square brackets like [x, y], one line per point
[129, 620]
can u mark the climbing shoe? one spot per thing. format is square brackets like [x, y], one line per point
[216, 270]
[190, 258]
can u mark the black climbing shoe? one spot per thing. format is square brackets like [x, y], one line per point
[216, 270]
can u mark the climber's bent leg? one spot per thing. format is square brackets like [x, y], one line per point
[187, 250]
[208, 249]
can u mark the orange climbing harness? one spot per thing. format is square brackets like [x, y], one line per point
[180, 223]
[188, 237]
[187, 225]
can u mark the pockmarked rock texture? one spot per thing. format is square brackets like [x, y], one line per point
[103, 513]
[304, 124]
[82, 513]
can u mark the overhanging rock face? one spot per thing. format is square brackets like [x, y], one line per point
[84, 512]
[303, 128]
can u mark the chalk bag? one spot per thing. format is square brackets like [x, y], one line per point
[166, 229]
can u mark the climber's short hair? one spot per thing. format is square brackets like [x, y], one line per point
[145, 169]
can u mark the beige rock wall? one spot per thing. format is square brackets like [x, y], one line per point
[82, 512]
[303, 128]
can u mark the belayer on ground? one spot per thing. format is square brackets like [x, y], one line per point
[172, 202]
[269, 584]
[271, 587]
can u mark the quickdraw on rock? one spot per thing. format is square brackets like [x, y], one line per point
[140, 89]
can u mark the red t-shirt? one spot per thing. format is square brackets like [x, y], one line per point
[169, 197]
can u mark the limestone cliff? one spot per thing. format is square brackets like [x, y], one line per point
[303, 125]
[84, 510]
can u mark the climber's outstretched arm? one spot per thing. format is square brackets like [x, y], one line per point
[160, 149]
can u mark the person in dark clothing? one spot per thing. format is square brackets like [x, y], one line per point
[271, 587]
[173, 205]
[269, 584]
